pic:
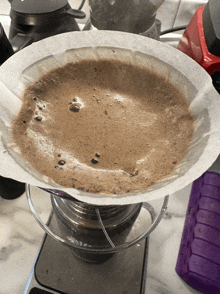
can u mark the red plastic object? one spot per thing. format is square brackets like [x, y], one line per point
[193, 44]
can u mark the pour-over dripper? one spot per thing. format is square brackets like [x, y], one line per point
[195, 84]
[134, 16]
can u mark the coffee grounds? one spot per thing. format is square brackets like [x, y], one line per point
[104, 126]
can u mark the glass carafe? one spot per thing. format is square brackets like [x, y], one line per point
[134, 16]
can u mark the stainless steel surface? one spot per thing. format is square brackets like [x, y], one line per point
[76, 213]
[96, 227]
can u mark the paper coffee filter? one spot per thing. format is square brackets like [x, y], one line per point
[29, 64]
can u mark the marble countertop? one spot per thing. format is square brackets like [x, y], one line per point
[21, 238]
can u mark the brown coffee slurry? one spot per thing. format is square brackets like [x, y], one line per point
[104, 126]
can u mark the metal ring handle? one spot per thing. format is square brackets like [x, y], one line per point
[114, 248]
[38, 219]
[48, 230]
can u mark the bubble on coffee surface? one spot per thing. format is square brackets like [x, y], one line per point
[38, 118]
[94, 160]
[74, 107]
[76, 104]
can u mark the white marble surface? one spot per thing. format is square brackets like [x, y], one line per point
[20, 240]
[21, 237]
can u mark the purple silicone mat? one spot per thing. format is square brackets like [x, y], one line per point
[198, 262]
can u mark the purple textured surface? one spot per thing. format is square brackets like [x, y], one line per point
[209, 218]
[207, 233]
[198, 262]
[211, 178]
[204, 267]
[206, 249]
[210, 191]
